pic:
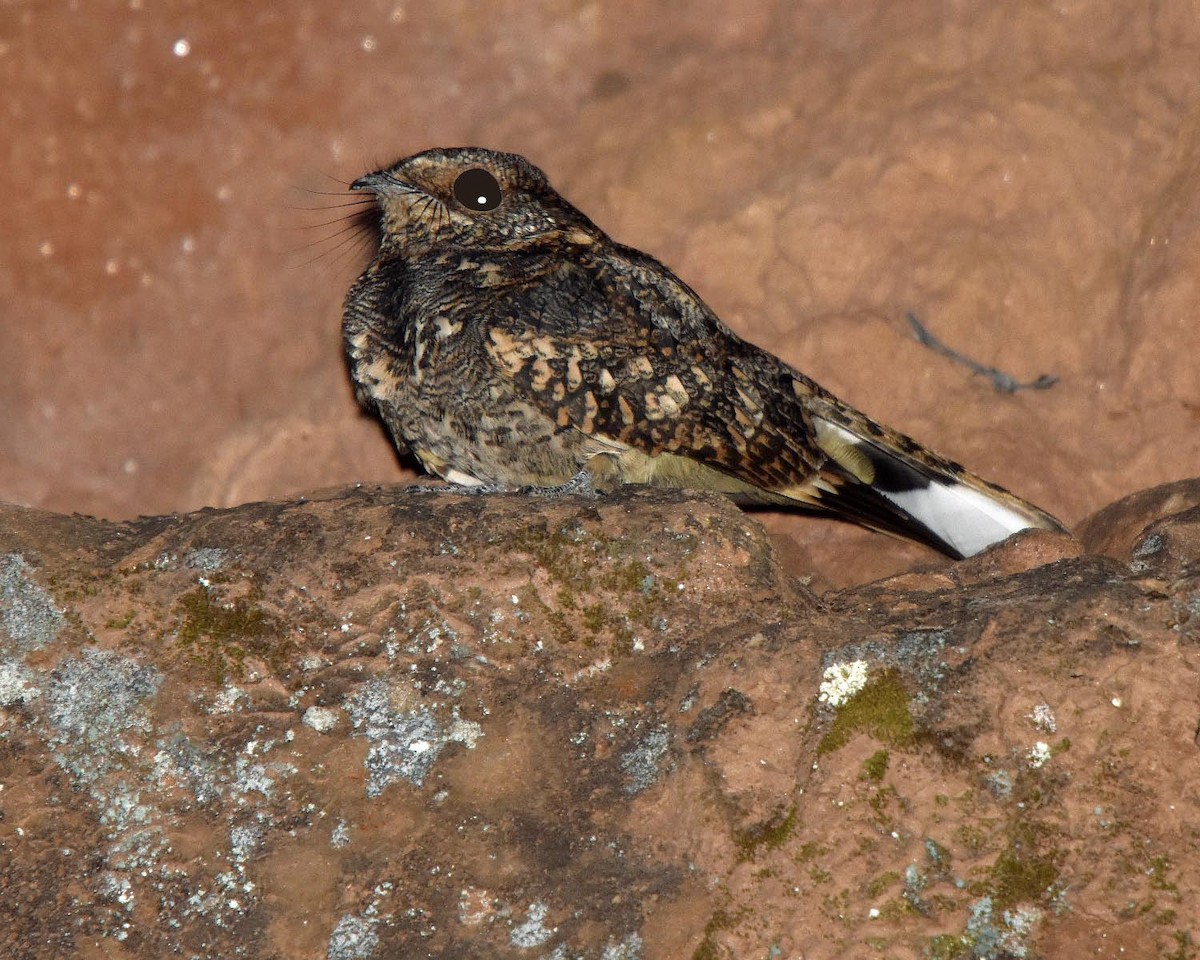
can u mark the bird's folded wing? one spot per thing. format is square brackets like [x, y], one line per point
[640, 363]
[653, 370]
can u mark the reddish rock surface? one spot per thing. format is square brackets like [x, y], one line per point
[1023, 180]
[382, 723]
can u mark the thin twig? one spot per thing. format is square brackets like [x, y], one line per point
[1000, 380]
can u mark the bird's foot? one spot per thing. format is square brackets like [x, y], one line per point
[459, 489]
[580, 485]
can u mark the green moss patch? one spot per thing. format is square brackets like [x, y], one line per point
[875, 766]
[880, 710]
[771, 835]
[220, 636]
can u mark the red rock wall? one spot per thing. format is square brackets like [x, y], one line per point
[1023, 178]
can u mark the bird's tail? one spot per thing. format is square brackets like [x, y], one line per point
[885, 481]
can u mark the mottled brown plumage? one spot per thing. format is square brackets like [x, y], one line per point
[507, 342]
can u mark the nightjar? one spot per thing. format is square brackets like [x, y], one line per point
[508, 343]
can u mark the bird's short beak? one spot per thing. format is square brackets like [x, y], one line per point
[371, 181]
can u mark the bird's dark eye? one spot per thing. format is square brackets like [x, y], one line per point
[476, 189]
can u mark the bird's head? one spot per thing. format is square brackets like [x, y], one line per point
[468, 197]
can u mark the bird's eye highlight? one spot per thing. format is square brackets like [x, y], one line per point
[476, 189]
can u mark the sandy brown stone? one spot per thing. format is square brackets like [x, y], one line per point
[1025, 551]
[377, 723]
[1116, 530]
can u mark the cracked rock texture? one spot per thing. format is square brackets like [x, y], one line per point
[380, 723]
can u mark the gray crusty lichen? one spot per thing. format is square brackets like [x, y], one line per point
[403, 741]
[27, 613]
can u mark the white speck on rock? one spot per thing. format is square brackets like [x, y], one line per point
[466, 732]
[227, 700]
[1043, 718]
[403, 744]
[628, 949]
[533, 932]
[354, 938]
[1039, 754]
[321, 719]
[642, 764]
[16, 685]
[339, 836]
[842, 681]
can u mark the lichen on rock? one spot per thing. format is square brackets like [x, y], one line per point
[363, 747]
